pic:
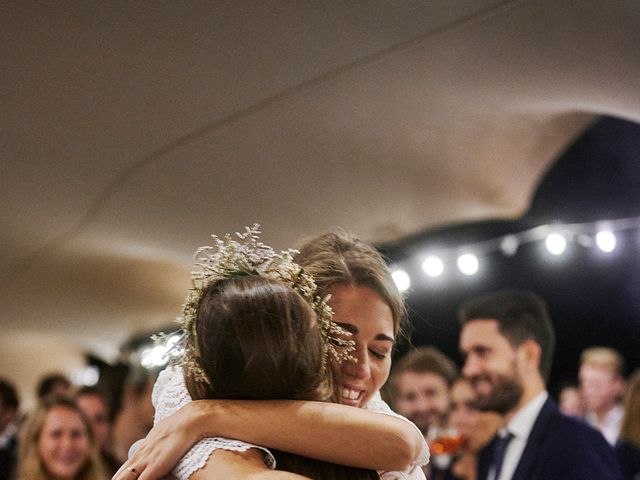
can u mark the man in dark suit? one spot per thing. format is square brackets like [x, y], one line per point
[508, 341]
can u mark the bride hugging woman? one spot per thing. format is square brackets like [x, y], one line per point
[365, 304]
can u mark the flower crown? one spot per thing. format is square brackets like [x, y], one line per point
[230, 258]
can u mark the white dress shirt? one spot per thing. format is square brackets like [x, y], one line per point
[9, 432]
[520, 427]
[610, 427]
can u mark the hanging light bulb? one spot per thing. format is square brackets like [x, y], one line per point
[433, 266]
[606, 241]
[556, 243]
[401, 279]
[468, 264]
[509, 245]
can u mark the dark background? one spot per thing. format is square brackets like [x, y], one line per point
[593, 298]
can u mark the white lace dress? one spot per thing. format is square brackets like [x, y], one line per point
[170, 394]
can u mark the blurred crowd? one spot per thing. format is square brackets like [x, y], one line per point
[85, 432]
[426, 387]
[76, 433]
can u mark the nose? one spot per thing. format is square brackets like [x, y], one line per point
[420, 403]
[470, 367]
[65, 443]
[361, 368]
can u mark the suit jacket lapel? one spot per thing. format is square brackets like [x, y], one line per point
[536, 437]
[484, 461]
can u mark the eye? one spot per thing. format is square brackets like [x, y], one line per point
[378, 355]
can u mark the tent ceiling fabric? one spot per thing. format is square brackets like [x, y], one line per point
[131, 131]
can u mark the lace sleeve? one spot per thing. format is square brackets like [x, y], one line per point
[376, 404]
[169, 394]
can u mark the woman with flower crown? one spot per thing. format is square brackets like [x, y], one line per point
[365, 303]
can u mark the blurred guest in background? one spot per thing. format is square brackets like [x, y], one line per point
[9, 412]
[419, 387]
[475, 427]
[570, 400]
[56, 444]
[602, 385]
[419, 390]
[93, 402]
[135, 418]
[628, 447]
[53, 384]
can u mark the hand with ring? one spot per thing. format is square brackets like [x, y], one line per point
[133, 470]
[164, 446]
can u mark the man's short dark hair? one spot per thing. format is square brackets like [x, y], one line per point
[423, 360]
[94, 391]
[521, 316]
[47, 384]
[8, 395]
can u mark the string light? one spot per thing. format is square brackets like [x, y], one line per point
[556, 238]
[468, 264]
[606, 241]
[433, 266]
[556, 243]
[509, 245]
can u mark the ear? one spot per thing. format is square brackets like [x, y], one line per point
[529, 354]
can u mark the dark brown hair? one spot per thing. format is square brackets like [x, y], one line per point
[521, 316]
[258, 339]
[48, 383]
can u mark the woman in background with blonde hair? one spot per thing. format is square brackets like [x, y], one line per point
[628, 447]
[56, 444]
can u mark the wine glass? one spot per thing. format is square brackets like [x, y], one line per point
[444, 442]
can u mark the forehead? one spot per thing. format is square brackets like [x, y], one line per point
[91, 402]
[363, 308]
[411, 381]
[62, 417]
[482, 332]
[593, 372]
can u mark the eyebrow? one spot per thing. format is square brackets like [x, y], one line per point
[349, 327]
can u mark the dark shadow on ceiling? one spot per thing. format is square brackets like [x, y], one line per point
[594, 299]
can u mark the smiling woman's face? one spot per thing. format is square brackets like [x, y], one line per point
[63, 444]
[361, 311]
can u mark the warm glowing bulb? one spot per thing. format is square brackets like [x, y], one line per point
[468, 263]
[555, 243]
[401, 279]
[606, 241]
[433, 266]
